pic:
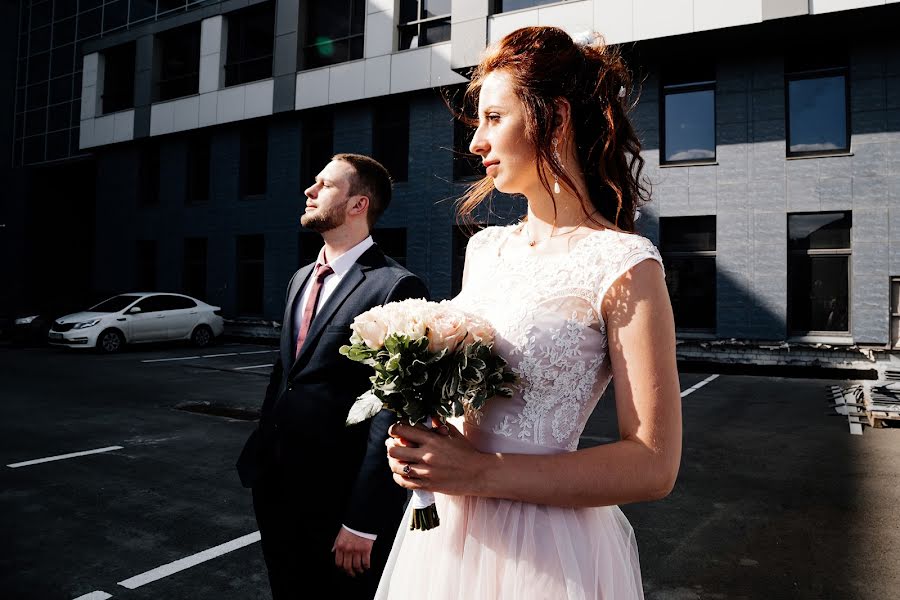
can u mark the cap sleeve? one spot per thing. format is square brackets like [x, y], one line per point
[622, 256]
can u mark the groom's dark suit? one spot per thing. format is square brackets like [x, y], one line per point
[309, 472]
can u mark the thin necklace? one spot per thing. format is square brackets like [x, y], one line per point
[553, 233]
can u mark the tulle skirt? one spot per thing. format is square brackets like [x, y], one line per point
[498, 549]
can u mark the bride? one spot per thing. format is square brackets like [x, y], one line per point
[577, 299]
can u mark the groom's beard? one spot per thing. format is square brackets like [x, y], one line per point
[321, 220]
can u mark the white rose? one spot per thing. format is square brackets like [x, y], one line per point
[446, 329]
[371, 328]
[479, 331]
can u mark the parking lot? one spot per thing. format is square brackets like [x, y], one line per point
[117, 480]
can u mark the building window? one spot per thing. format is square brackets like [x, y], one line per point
[423, 22]
[250, 278]
[178, 57]
[334, 32]
[688, 116]
[251, 38]
[118, 78]
[499, 6]
[254, 159]
[818, 108]
[197, 169]
[688, 247]
[390, 136]
[461, 236]
[146, 265]
[392, 241]
[194, 272]
[819, 272]
[148, 174]
[317, 146]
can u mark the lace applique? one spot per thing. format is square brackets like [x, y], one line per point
[546, 311]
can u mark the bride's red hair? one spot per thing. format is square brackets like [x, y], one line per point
[545, 64]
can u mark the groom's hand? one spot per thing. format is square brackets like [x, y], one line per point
[352, 553]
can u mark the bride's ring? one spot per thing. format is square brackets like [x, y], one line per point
[406, 470]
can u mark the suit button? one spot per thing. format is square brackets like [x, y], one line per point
[290, 387]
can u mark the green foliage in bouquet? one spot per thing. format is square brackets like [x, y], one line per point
[416, 383]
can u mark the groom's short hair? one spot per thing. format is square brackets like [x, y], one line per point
[370, 179]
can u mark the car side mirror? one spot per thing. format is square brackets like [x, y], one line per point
[133, 310]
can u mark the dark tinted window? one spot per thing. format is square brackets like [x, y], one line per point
[688, 246]
[114, 304]
[198, 168]
[151, 304]
[819, 272]
[174, 303]
[390, 136]
[250, 274]
[254, 159]
[179, 62]
[334, 32]
[819, 231]
[118, 78]
[251, 38]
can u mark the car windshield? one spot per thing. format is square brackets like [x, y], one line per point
[114, 304]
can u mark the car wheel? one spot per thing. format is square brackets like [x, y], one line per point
[202, 336]
[110, 341]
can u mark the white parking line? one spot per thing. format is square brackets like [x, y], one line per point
[252, 367]
[62, 457]
[97, 595]
[155, 360]
[189, 561]
[696, 387]
[170, 359]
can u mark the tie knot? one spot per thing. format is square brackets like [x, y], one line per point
[323, 271]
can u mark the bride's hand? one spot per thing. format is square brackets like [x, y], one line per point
[440, 460]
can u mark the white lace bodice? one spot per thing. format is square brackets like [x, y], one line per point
[546, 310]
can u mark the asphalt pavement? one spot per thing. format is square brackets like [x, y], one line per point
[775, 498]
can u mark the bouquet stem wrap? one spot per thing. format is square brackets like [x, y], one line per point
[424, 513]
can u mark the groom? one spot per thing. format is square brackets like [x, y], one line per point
[325, 500]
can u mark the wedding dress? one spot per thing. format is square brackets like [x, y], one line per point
[546, 312]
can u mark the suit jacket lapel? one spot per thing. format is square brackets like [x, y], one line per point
[354, 277]
[287, 334]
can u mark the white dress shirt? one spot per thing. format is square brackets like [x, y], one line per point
[340, 265]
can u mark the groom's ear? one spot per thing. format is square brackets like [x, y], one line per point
[359, 205]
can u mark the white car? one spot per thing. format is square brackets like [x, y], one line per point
[138, 318]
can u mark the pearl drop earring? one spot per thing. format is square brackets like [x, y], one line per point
[559, 162]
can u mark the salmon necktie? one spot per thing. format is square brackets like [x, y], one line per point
[309, 311]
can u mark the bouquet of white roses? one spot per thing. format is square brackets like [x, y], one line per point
[430, 360]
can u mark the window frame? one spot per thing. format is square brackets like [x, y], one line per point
[820, 252]
[695, 254]
[666, 90]
[233, 70]
[306, 47]
[816, 73]
[192, 33]
[419, 23]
